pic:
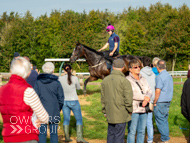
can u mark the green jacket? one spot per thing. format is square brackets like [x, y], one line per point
[116, 98]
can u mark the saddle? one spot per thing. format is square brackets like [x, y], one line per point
[110, 59]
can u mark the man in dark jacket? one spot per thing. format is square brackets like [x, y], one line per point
[116, 99]
[185, 101]
[51, 95]
[33, 75]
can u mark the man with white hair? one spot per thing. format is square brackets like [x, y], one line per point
[18, 103]
[51, 95]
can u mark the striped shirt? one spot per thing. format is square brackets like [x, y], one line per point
[32, 99]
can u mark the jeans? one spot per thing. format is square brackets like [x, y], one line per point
[109, 66]
[150, 131]
[75, 107]
[116, 133]
[53, 133]
[161, 112]
[138, 123]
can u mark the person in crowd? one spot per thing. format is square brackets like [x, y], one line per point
[18, 103]
[33, 75]
[154, 62]
[51, 95]
[15, 56]
[113, 43]
[185, 101]
[163, 97]
[149, 75]
[141, 97]
[70, 83]
[36, 69]
[188, 73]
[116, 99]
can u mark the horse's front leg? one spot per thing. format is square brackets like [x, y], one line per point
[91, 78]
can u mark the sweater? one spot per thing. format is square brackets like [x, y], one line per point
[70, 93]
[138, 96]
[149, 75]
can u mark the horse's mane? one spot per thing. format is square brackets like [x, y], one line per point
[99, 53]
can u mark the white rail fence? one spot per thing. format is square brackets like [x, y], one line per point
[178, 73]
[4, 77]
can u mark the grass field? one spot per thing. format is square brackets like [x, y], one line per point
[95, 124]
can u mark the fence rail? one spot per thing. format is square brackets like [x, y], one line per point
[4, 77]
[178, 73]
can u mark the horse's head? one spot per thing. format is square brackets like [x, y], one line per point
[77, 53]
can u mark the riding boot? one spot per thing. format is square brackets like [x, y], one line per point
[66, 131]
[80, 134]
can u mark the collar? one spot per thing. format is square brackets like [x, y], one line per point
[140, 76]
[163, 71]
[18, 79]
[112, 34]
[117, 72]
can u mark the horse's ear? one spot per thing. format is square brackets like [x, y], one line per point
[77, 42]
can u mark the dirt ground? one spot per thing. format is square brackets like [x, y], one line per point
[156, 138]
[83, 101]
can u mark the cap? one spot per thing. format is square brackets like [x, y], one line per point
[16, 54]
[118, 63]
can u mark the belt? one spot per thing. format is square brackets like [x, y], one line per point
[164, 102]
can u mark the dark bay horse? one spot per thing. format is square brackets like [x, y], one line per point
[97, 63]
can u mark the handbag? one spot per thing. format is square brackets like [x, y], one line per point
[149, 106]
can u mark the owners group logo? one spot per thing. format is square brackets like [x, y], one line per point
[26, 124]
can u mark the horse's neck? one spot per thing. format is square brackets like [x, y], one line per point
[91, 57]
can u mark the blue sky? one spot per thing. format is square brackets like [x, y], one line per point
[40, 7]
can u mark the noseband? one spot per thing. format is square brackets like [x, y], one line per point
[78, 54]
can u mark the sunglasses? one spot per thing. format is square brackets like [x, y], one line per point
[108, 30]
[137, 67]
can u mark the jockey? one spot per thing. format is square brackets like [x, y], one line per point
[113, 43]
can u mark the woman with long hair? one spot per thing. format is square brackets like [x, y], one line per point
[70, 83]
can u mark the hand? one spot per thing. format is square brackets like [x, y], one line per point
[111, 54]
[154, 104]
[130, 113]
[104, 115]
[99, 50]
[144, 103]
[189, 67]
[38, 123]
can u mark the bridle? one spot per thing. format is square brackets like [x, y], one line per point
[78, 54]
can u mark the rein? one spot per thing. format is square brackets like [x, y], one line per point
[97, 64]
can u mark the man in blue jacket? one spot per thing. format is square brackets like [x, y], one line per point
[33, 75]
[50, 92]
